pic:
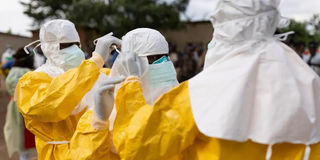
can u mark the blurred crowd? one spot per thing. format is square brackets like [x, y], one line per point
[309, 53]
[188, 62]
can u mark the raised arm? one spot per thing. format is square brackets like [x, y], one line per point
[49, 99]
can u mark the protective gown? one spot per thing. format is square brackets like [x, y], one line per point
[255, 99]
[92, 138]
[97, 134]
[46, 104]
[167, 130]
[50, 99]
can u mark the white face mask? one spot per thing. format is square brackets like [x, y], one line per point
[72, 56]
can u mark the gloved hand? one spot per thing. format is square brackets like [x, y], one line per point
[104, 98]
[131, 64]
[104, 45]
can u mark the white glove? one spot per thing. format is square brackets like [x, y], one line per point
[104, 45]
[131, 64]
[104, 99]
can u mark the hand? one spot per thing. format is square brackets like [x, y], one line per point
[104, 98]
[104, 45]
[131, 64]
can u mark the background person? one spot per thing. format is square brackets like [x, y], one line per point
[18, 139]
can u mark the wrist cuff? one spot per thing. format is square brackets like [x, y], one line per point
[99, 124]
[97, 59]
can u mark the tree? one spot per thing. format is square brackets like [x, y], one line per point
[103, 16]
[301, 32]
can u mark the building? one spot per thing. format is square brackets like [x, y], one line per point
[194, 33]
[15, 41]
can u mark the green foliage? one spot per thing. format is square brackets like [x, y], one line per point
[301, 33]
[103, 16]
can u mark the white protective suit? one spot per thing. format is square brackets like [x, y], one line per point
[266, 92]
[255, 98]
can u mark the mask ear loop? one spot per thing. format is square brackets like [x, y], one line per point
[115, 48]
[34, 49]
[284, 36]
[25, 48]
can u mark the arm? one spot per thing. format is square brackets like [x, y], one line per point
[161, 131]
[49, 99]
[90, 143]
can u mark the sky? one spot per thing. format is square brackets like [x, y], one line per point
[12, 17]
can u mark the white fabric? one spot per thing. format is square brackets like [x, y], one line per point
[142, 42]
[307, 153]
[253, 86]
[58, 142]
[38, 60]
[89, 97]
[51, 35]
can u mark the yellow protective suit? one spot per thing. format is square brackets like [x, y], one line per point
[92, 139]
[46, 104]
[89, 143]
[167, 130]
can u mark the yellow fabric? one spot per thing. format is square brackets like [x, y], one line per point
[145, 132]
[89, 143]
[286, 151]
[105, 71]
[315, 152]
[46, 104]
[167, 130]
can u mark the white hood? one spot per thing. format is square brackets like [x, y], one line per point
[142, 42]
[51, 35]
[254, 86]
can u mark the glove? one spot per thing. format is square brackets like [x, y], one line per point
[104, 45]
[104, 98]
[131, 64]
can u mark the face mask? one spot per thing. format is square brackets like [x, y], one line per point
[161, 60]
[72, 56]
[161, 75]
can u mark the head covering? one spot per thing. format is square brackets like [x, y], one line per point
[143, 42]
[254, 86]
[51, 35]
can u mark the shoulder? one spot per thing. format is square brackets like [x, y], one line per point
[34, 77]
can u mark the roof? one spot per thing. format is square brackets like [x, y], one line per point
[13, 35]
